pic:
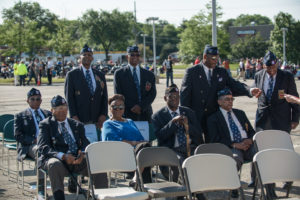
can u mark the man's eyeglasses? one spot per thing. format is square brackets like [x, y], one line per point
[121, 107]
[35, 99]
[229, 99]
[134, 54]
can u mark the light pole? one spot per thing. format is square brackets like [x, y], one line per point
[153, 19]
[214, 24]
[144, 41]
[284, 30]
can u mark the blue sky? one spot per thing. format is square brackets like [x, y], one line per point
[170, 10]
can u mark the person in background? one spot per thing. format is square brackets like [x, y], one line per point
[50, 67]
[16, 75]
[168, 65]
[22, 72]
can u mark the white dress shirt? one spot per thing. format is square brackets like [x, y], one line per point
[50, 64]
[137, 72]
[35, 122]
[60, 154]
[92, 75]
[266, 82]
[236, 121]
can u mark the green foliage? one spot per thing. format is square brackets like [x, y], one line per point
[250, 46]
[285, 20]
[111, 30]
[245, 20]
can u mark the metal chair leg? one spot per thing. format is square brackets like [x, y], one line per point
[45, 186]
[8, 165]
[22, 176]
[18, 173]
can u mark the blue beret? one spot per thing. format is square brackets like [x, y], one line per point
[212, 50]
[224, 92]
[270, 59]
[132, 49]
[57, 101]
[171, 88]
[33, 92]
[85, 49]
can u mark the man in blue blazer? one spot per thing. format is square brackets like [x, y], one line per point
[137, 85]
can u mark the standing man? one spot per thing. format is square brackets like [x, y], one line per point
[50, 67]
[168, 64]
[61, 142]
[32, 72]
[86, 94]
[137, 85]
[16, 75]
[26, 128]
[273, 111]
[22, 72]
[231, 127]
[201, 83]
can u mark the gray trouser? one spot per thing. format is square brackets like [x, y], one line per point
[240, 156]
[32, 154]
[57, 171]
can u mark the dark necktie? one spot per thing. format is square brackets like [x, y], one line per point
[137, 84]
[89, 81]
[37, 116]
[209, 77]
[270, 89]
[180, 133]
[68, 139]
[235, 131]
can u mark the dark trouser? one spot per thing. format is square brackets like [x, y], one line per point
[32, 75]
[57, 171]
[32, 154]
[49, 74]
[169, 76]
[22, 79]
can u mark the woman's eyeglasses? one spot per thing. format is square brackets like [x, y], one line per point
[121, 107]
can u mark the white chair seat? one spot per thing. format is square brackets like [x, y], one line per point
[123, 193]
[165, 189]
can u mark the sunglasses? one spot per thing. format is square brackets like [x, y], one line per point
[134, 54]
[35, 99]
[121, 107]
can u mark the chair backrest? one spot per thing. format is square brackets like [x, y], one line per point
[207, 172]
[218, 148]
[3, 119]
[270, 139]
[277, 165]
[110, 156]
[151, 156]
[8, 130]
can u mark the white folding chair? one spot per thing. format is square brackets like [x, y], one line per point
[276, 165]
[112, 156]
[211, 172]
[270, 139]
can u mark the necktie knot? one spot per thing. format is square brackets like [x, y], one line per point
[174, 114]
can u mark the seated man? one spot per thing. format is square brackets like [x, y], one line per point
[232, 128]
[169, 124]
[26, 128]
[61, 142]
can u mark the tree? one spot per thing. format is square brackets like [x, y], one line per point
[285, 20]
[22, 38]
[32, 12]
[250, 46]
[246, 20]
[110, 30]
[62, 41]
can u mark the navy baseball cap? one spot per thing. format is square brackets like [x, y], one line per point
[58, 101]
[33, 92]
[224, 92]
[131, 49]
[212, 50]
[270, 59]
[85, 49]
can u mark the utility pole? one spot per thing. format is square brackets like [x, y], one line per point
[284, 30]
[144, 41]
[153, 19]
[214, 24]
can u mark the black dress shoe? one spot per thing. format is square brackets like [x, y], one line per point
[59, 195]
[287, 185]
[251, 184]
[270, 188]
[200, 196]
[129, 175]
[234, 194]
